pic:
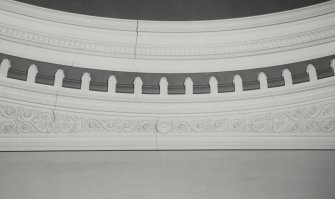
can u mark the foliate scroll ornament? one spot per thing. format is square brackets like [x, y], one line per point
[237, 125]
[25, 127]
[164, 126]
[65, 124]
[43, 121]
[220, 125]
[309, 119]
[311, 126]
[109, 124]
[113, 124]
[327, 125]
[147, 125]
[200, 125]
[99, 124]
[260, 123]
[28, 120]
[20, 119]
[26, 113]
[8, 127]
[127, 125]
[281, 122]
[9, 111]
[91, 125]
[328, 110]
[182, 126]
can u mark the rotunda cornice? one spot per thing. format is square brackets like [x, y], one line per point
[50, 117]
[149, 46]
[285, 101]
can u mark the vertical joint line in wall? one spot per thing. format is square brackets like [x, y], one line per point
[156, 132]
[156, 140]
[135, 47]
[57, 92]
[55, 106]
[53, 119]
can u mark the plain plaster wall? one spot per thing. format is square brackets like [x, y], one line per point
[168, 174]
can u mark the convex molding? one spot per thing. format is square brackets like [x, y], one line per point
[171, 47]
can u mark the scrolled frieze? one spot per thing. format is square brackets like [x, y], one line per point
[113, 124]
[314, 118]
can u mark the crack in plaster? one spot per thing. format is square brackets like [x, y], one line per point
[136, 39]
[137, 72]
[53, 114]
[156, 132]
[135, 47]
[56, 98]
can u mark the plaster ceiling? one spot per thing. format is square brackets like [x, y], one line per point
[173, 10]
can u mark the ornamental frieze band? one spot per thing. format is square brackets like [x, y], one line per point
[311, 119]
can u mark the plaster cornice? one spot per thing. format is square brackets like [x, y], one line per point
[171, 47]
[43, 117]
[168, 26]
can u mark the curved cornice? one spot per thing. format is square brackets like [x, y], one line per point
[170, 47]
[161, 103]
[44, 117]
[35, 116]
[45, 14]
[167, 26]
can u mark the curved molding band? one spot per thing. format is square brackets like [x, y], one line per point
[167, 26]
[43, 117]
[148, 46]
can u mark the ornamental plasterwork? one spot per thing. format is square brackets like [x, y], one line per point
[303, 38]
[309, 119]
[58, 41]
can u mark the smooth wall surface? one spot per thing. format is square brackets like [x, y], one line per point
[168, 174]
